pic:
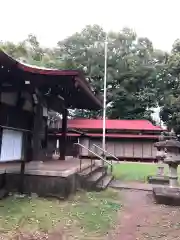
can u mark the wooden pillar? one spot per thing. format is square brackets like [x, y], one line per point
[1, 134]
[63, 144]
[36, 136]
[124, 152]
[45, 140]
[28, 147]
[133, 149]
[1, 129]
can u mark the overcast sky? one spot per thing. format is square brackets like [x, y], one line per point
[53, 20]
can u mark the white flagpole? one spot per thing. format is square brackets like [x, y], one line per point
[105, 93]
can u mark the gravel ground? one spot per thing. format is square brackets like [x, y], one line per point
[142, 219]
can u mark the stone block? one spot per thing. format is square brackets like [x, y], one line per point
[162, 180]
[167, 195]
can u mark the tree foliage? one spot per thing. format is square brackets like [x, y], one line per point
[170, 90]
[131, 71]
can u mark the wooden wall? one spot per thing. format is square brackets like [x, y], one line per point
[12, 114]
[51, 146]
[122, 148]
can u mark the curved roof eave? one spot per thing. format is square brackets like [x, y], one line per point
[79, 76]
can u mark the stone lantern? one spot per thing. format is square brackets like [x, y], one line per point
[170, 194]
[172, 149]
[159, 178]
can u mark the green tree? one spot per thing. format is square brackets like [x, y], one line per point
[31, 52]
[132, 69]
[34, 48]
[170, 90]
[16, 51]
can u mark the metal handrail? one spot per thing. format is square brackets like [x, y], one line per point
[105, 151]
[95, 154]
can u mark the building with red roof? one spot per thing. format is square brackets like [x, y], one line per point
[126, 139]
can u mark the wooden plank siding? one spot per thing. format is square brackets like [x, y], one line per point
[122, 148]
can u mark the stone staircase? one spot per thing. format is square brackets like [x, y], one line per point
[95, 178]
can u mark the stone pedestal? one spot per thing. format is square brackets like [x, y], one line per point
[167, 195]
[160, 180]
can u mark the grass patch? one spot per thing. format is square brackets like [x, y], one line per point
[28, 214]
[135, 171]
[95, 212]
[85, 214]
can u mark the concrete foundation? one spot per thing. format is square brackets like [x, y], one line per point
[52, 179]
[43, 186]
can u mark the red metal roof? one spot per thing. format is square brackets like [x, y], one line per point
[141, 125]
[113, 135]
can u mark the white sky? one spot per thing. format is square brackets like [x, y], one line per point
[53, 20]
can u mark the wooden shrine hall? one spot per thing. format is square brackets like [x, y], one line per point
[26, 94]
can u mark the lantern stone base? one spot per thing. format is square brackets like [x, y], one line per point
[162, 180]
[167, 195]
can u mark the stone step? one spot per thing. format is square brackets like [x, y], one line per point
[104, 182]
[88, 171]
[91, 181]
[96, 176]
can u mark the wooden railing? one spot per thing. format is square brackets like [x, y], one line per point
[96, 155]
[105, 151]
